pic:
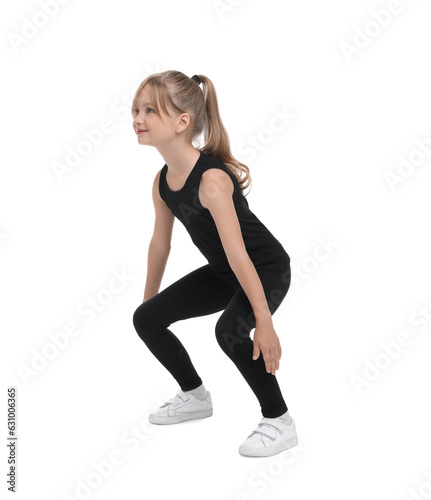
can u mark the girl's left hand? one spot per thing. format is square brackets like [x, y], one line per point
[266, 340]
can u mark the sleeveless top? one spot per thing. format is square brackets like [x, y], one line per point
[264, 250]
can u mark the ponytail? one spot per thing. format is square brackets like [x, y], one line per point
[217, 142]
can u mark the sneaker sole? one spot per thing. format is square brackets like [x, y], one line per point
[157, 419]
[267, 452]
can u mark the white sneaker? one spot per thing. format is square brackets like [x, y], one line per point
[271, 436]
[182, 407]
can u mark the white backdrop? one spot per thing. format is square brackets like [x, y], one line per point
[341, 178]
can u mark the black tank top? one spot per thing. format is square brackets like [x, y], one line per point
[264, 250]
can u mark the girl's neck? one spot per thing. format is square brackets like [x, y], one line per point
[180, 160]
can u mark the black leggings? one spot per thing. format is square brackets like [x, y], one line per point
[202, 292]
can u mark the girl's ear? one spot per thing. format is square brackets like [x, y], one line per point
[183, 122]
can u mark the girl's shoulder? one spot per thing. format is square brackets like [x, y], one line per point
[209, 162]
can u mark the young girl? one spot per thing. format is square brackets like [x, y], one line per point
[248, 270]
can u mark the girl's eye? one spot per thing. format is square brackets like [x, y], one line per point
[148, 109]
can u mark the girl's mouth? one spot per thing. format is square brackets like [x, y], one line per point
[140, 131]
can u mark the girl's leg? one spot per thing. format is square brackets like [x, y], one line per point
[198, 293]
[232, 332]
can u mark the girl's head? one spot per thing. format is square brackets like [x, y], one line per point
[168, 102]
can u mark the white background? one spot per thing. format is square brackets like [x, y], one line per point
[322, 177]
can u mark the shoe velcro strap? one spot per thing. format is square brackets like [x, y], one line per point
[183, 395]
[272, 421]
[266, 431]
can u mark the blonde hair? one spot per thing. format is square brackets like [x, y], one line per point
[179, 93]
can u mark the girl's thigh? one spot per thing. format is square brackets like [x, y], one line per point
[238, 318]
[198, 293]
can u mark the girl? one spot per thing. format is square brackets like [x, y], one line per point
[248, 270]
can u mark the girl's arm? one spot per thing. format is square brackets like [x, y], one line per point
[160, 244]
[215, 194]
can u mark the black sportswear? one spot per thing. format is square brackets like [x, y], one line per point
[264, 250]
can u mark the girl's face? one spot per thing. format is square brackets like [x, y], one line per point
[151, 129]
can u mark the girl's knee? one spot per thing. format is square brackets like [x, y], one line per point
[142, 318]
[137, 316]
[149, 320]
